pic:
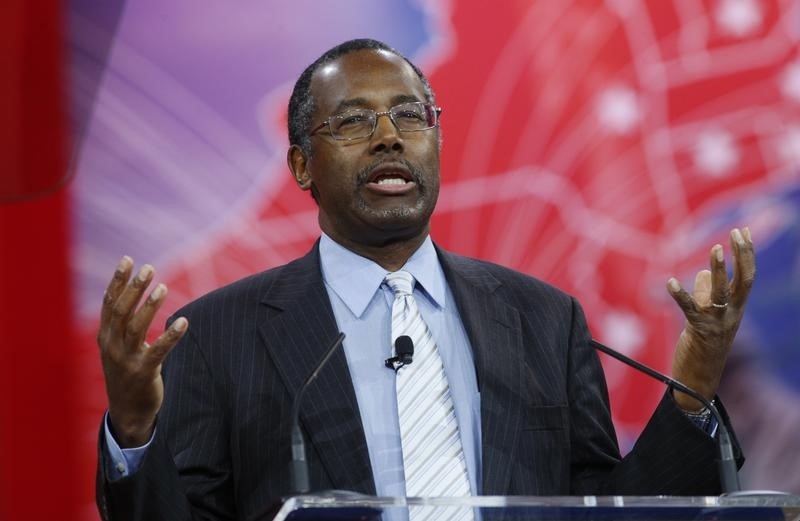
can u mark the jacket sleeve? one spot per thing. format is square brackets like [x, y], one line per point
[186, 472]
[671, 457]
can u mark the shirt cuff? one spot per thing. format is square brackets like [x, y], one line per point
[122, 462]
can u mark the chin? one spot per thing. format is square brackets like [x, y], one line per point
[403, 215]
[402, 222]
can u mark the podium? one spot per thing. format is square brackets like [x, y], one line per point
[350, 507]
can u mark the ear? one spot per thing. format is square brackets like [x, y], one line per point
[298, 164]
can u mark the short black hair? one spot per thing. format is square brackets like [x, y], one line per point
[301, 103]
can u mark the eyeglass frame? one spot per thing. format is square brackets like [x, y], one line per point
[436, 110]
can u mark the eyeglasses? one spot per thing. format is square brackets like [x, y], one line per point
[361, 123]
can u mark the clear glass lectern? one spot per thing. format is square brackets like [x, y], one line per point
[750, 507]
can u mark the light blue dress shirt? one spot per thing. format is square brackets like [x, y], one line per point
[362, 305]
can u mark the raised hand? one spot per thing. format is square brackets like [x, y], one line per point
[713, 313]
[131, 366]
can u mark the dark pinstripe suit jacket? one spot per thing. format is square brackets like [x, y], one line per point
[221, 447]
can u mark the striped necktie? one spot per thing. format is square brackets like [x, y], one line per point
[433, 457]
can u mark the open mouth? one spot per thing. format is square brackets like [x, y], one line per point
[391, 179]
[391, 174]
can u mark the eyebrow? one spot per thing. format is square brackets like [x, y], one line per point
[363, 102]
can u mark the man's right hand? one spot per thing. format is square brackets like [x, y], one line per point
[131, 366]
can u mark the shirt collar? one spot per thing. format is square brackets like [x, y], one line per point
[355, 279]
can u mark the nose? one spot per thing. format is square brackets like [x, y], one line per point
[386, 137]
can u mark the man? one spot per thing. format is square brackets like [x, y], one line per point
[527, 392]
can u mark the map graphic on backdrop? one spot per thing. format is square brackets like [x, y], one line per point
[602, 146]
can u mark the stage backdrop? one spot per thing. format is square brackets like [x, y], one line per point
[602, 146]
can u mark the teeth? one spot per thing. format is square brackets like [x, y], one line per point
[391, 181]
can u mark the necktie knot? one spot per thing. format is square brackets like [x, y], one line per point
[401, 282]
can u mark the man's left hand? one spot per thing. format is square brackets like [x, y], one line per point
[713, 313]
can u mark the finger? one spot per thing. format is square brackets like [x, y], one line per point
[701, 292]
[115, 287]
[129, 299]
[158, 350]
[720, 290]
[137, 327]
[684, 300]
[744, 265]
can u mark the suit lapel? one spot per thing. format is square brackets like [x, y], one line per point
[302, 326]
[494, 331]
[297, 334]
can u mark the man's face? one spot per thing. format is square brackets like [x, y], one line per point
[379, 189]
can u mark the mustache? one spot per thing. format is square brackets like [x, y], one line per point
[416, 172]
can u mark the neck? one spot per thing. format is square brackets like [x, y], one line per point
[390, 255]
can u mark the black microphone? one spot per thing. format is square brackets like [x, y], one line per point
[299, 464]
[404, 349]
[727, 463]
